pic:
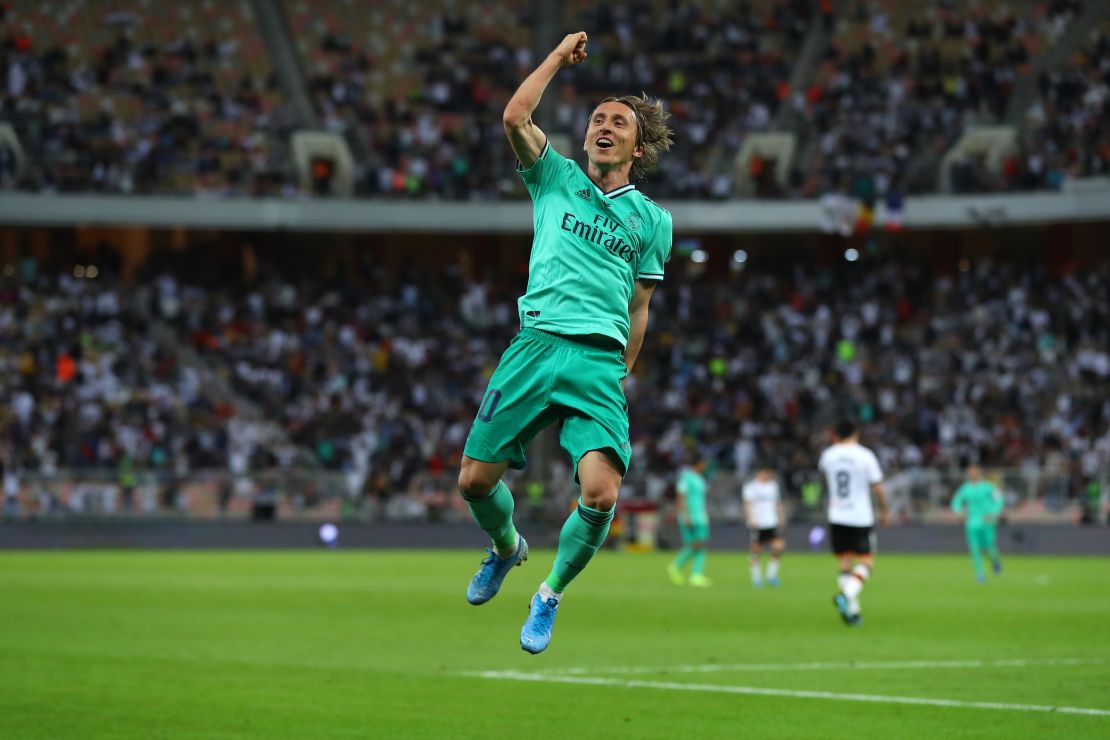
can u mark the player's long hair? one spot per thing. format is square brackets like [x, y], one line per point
[651, 131]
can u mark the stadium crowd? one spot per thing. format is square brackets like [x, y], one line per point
[723, 70]
[431, 120]
[116, 100]
[1070, 121]
[378, 375]
[112, 98]
[1000, 365]
[91, 390]
[901, 82]
[418, 90]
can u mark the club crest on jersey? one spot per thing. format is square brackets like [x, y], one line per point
[584, 194]
[632, 221]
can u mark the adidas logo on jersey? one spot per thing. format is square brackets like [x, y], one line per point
[584, 194]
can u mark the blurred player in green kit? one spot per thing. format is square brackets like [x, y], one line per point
[598, 253]
[980, 503]
[693, 524]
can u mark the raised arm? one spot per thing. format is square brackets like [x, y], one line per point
[525, 137]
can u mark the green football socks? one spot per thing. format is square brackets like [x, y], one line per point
[584, 531]
[683, 557]
[990, 544]
[698, 568]
[977, 563]
[494, 514]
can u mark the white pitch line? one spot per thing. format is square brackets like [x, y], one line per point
[840, 666]
[794, 694]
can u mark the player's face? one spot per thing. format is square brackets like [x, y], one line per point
[974, 472]
[611, 135]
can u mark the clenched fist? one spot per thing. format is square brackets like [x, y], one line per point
[572, 49]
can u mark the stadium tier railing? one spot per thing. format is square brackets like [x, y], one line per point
[916, 496]
[1086, 200]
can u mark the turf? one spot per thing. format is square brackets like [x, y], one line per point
[383, 644]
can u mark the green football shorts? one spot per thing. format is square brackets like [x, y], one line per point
[543, 378]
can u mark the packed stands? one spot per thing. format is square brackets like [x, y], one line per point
[419, 88]
[113, 98]
[999, 363]
[902, 81]
[92, 391]
[1070, 123]
[105, 99]
[723, 69]
[378, 374]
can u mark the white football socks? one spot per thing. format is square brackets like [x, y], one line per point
[851, 584]
[853, 606]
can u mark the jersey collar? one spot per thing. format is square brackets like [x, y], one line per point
[616, 192]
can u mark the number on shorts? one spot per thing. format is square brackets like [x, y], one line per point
[843, 479]
[489, 404]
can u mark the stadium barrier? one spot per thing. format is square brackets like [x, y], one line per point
[1078, 202]
[917, 496]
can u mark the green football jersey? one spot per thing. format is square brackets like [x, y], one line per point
[691, 486]
[982, 501]
[589, 249]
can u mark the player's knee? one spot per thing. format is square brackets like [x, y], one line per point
[475, 482]
[600, 496]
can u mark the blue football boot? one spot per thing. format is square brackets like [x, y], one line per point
[535, 635]
[487, 581]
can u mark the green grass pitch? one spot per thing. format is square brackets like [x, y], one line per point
[344, 644]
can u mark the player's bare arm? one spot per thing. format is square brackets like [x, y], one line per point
[525, 137]
[880, 497]
[638, 320]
